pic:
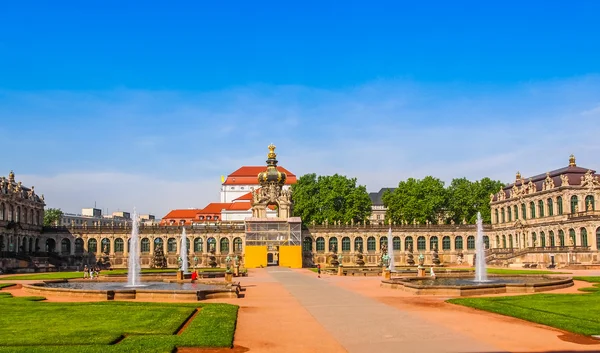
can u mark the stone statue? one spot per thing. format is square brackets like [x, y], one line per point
[421, 259]
[564, 179]
[590, 207]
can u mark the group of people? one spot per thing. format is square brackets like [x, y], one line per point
[91, 272]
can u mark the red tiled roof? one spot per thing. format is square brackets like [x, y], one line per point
[239, 206]
[214, 208]
[245, 197]
[180, 214]
[248, 175]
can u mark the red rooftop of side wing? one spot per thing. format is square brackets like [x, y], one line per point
[248, 175]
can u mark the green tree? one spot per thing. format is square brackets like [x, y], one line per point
[461, 200]
[417, 200]
[482, 190]
[332, 197]
[52, 216]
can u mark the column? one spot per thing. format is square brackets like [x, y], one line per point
[151, 245]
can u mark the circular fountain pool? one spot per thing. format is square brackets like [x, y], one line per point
[92, 285]
[466, 286]
[115, 290]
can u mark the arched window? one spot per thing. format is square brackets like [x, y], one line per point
[187, 245]
[11, 213]
[2, 211]
[92, 246]
[496, 213]
[470, 242]
[237, 245]
[333, 244]
[224, 247]
[65, 246]
[145, 245]
[211, 244]
[598, 238]
[408, 243]
[502, 215]
[105, 246]
[583, 234]
[18, 215]
[550, 206]
[486, 241]
[510, 241]
[31, 218]
[198, 245]
[559, 205]
[382, 241]
[589, 203]
[541, 208]
[307, 244]
[396, 243]
[78, 246]
[158, 244]
[458, 243]
[358, 244]
[172, 245]
[542, 239]
[524, 211]
[433, 243]
[421, 243]
[320, 244]
[346, 244]
[534, 239]
[509, 214]
[119, 245]
[24, 215]
[574, 202]
[572, 237]
[552, 240]
[561, 237]
[532, 209]
[371, 244]
[516, 212]
[498, 242]
[446, 243]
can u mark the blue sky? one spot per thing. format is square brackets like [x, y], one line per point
[146, 106]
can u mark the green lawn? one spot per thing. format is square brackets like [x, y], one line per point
[75, 274]
[576, 313]
[4, 285]
[508, 271]
[28, 325]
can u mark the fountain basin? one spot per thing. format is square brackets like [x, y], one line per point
[108, 290]
[460, 286]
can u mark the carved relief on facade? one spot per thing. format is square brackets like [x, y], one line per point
[588, 180]
[515, 191]
[530, 189]
[548, 183]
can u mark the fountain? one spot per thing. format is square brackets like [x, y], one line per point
[133, 273]
[465, 284]
[184, 252]
[480, 268]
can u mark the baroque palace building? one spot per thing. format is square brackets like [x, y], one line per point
[21, 220]
[544, 219]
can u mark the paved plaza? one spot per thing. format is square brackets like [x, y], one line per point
[287, 310]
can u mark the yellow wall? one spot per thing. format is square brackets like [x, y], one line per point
[290, 256]
[255, 256]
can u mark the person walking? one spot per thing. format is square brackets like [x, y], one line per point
[86, 272]
[319, 271]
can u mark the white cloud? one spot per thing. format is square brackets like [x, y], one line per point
[164, 150]
[118, 191]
